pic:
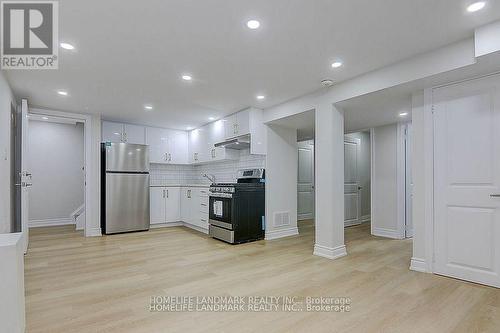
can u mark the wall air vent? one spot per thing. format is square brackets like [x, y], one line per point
[281, 219]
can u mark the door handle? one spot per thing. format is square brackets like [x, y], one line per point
[495, 195]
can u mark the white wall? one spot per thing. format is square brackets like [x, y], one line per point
[281, 180]
[56, 159]
[386, 181]
[364, 170]
[6, 99]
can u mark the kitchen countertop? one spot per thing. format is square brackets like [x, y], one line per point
[180, 185]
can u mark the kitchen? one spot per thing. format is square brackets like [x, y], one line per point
[184, 168]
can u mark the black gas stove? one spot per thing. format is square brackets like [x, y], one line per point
[237, 210]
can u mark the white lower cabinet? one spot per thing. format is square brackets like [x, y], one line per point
[194, 207]
[165, 205]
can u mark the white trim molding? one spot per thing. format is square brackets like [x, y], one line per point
[388, 233]
[166, 225]
[418, 265]
[93, 232]
[281, 233]
[366, 218]
[328, 252]
[50, 222]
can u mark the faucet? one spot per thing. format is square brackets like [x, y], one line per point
[209, 177]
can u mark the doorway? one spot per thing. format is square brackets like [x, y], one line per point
[56, 161]
[90, 164]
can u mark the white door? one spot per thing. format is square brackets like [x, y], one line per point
[25, 175]
[305, 181]
[157, 204]
[173, 204]
[467, 181]
[134, 134]
[112, 132]
[352, 198]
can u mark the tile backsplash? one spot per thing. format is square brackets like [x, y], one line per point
[224, 172]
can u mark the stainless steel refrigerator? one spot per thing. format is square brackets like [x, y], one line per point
[124, 187]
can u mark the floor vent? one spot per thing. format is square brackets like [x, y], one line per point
[281, 219]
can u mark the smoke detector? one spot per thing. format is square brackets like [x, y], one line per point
[326, 83]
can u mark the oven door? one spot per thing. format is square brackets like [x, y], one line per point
[221, 210]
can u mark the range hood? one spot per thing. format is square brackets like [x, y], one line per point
[241, 142]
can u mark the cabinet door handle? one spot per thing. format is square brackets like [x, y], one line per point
[167, 193]
[165, 156]
[169, 157]
[163, 193]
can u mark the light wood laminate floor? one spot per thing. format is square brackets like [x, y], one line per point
[104, 284]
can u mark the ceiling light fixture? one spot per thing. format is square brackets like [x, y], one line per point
[403, 114]
[186, 77]
[253, 24]
[336, 64]
[261, 97]
[211, 118]
[476, 6]
[148, 107]
[45, 118]
[63, 92]
[189, 128]
[67, 46]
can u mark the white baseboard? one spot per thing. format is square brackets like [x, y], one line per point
[366, 218]
[280, 233]
[329, 252]
[166, 225]
[350, 224]
[418, 265]
[50, 222]
[93, 232]
[195, 227]
[388, 233]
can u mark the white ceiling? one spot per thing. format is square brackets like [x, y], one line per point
[131, 53]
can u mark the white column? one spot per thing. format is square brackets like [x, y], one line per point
[281, 182]
[329, 182]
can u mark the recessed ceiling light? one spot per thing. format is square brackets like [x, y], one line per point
[189, 128]
[211, 118]
[261, 97]
[403, 114]
[336, 64]
[476, 6]
[45, 118]
[67, 46]
[148, 107]
[62, 92]
[253, 24]
[187, 77]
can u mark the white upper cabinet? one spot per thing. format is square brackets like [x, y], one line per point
[180, 149]
[126, 133]
[134, 134]
[167, 146]
[158, 141]
[112, 132]
[237, 124]
[198, 145]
